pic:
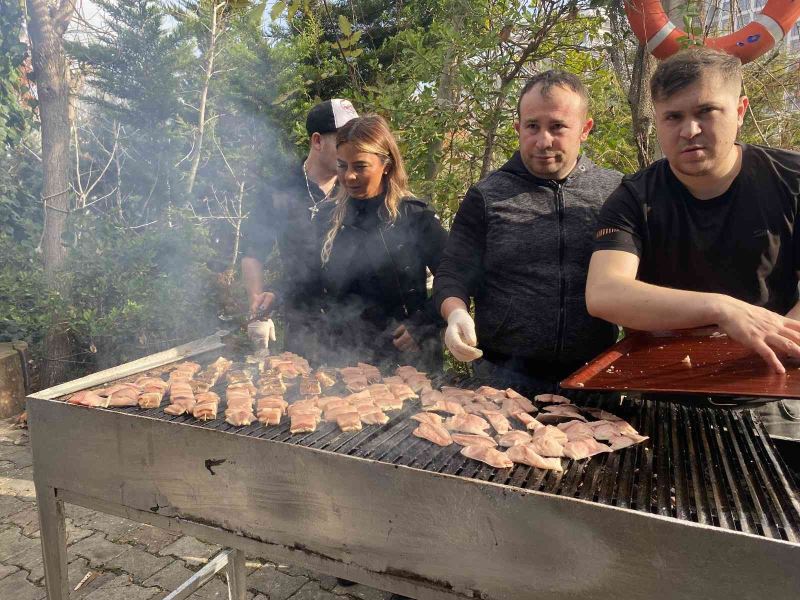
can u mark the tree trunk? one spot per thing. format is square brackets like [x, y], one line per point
[444, 101]
[209, 73]
[642, 107]
[47, 23]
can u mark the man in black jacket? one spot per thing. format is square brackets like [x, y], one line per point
[520, 246]
[295, 212]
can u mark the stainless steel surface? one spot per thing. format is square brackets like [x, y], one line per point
[705, 509]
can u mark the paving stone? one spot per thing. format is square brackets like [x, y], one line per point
[17, 587]
[76, 534]
[12, 542]
[326, 581]
[78, 514]
[6, 466]
[138, 563]
[215, 589]
[98, 549]
[31, 561]
[20, 456]
[10, 505]
[170, 577]
[313, 591]
[115, 528]
[121, 588]
[6, 570]
[274, 583]
[17, 485]
[362, 592]
[27, 519]
[152, 538]
[77, 570]
[190, 549]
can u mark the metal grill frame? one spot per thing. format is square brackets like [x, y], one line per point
[396, 527]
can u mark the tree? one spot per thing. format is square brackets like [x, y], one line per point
[13, 54]
[47, 23]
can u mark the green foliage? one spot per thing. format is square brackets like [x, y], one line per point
[13, 114]
[132, 290]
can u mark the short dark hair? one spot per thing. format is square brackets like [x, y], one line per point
[554, 78]
[686, 67]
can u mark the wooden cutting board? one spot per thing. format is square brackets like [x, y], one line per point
[657, 362]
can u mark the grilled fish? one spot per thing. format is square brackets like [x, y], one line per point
[490, 456]
[434, 433]
[525, 455]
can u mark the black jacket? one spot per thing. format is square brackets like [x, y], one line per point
[375, 277]
[520, 245]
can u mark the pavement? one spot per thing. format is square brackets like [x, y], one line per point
[115, 559]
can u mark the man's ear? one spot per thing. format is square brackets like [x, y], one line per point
[741, 109]
[587, 127]
[516, 127]
[316, 141]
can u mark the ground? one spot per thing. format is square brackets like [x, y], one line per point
[116, 559]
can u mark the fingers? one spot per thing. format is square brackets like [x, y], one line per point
[458, 348]
[405, 343]
[467, 331]
[401, 329]
[764, 351]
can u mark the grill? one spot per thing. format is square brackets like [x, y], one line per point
[703, 472]
[702, 465]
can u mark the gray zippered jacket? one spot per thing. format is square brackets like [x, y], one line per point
[521, 245]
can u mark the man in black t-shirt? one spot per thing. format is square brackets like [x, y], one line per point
[295, 213]
[707, 234]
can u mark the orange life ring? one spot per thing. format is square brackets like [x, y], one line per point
[653, 27]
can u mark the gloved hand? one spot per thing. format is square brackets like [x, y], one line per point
[261, 333]
[460, 336]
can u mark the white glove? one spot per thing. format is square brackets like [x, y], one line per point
[261, 332]
[460, 336]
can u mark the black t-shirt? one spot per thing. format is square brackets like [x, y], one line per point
[742, 243]
[283, 215]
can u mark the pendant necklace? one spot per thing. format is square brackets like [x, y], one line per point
[314, 208]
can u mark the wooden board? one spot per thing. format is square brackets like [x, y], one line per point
[716, 366]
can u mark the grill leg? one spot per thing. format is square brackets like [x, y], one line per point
[54, 542]
[237, 573]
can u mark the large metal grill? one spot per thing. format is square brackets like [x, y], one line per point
[712, 467]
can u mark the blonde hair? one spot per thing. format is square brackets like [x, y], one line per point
[370, 133]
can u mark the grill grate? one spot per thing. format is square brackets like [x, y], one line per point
[713, 467]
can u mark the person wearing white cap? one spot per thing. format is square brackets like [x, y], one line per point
[294, 212]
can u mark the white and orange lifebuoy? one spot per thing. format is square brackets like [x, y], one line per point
[653, 27]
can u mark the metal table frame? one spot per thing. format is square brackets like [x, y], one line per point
[418, 533]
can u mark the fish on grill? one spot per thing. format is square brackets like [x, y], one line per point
[243, 385]
[490, 456]
[526, 455]
[332, 414]
[552, 399]
[206, 407]
[448, 406]
[371, 372]
[471, 439]
[428, 417]
[402, 391]
[302, 422]
[152, 384]
[576, 430]
[514, 438]
[492, 394]
[88, 398]
[325, 378]
[600, 414]
[556, 413]
[349, 420]
[512, 406]
[497, 420]
[431, 397]
[388, 403]
[309, 386]
[181, 398]
[269, 416]
[584, 448]
[433, 433]
[127, 396]
[373, 416]
[551, 432]
[530, 422]
[150, 399]
[274, 402]
[547, 446]
[467, 424]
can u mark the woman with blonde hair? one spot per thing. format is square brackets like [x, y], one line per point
[376, 253]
